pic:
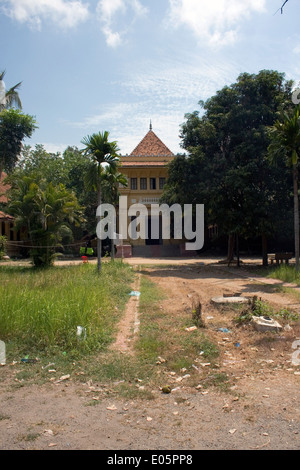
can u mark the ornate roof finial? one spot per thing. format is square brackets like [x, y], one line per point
[150, 125]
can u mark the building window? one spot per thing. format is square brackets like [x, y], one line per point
[152, 183]
[143, 183]
[162, 182]
[133, 183]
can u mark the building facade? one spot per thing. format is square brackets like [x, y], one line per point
[146, 170]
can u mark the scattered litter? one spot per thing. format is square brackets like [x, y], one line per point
[2, 353]
[232, 431]
[237, 345]
[29, 361]
[149, 418]
[135, 293]
[191, 328]
[81, 332]
[111, 408]
[264, 323]
[186, 376]
[48, 365]
[62, 378]
[166, 389]
[48, 432]
[160, 360]
[296, 353]
[224, 330]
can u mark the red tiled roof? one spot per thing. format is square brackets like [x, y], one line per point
[5, 216]
[151, 145]
[126, 164]
[3, 188]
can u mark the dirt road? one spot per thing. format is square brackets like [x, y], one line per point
[261, 410]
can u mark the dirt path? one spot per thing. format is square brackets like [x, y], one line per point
[129, 324]
[262, 410]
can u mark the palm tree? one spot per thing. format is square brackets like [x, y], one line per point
[110, 188]
[285, 143]
[45, 211]
[11, 96]
[102, 153]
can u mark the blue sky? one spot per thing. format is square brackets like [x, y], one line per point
[88, 66]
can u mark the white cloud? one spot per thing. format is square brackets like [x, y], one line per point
[108, 11]
[66, 14]
[162, 92]
[216, 21]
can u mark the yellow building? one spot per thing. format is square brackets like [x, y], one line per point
[146, 171]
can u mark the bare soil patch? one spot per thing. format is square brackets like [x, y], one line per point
[260, 410]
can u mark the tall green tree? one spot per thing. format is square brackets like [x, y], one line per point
[102, 152]
[76, 166]
[45, 210]
[227, 167]
[10, 97]
[285, 145]
[14, 128]
[111, 180]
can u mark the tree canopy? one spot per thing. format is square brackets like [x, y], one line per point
[102, 153]
[227, 167]
[14, 128]
[45, 210]
[10, 97]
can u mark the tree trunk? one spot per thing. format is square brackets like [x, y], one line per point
[264, 249]
[1, 170]
[230, 248]
[296, 214]
[99, 242]
[237, 251]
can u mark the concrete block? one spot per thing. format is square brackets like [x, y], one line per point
[265, 324]
[230, 300]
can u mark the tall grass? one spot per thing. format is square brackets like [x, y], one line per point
[41, 309]
[285, 273]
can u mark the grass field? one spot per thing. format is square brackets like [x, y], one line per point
[40, 310]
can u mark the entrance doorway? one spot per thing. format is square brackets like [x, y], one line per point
[154, 230]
